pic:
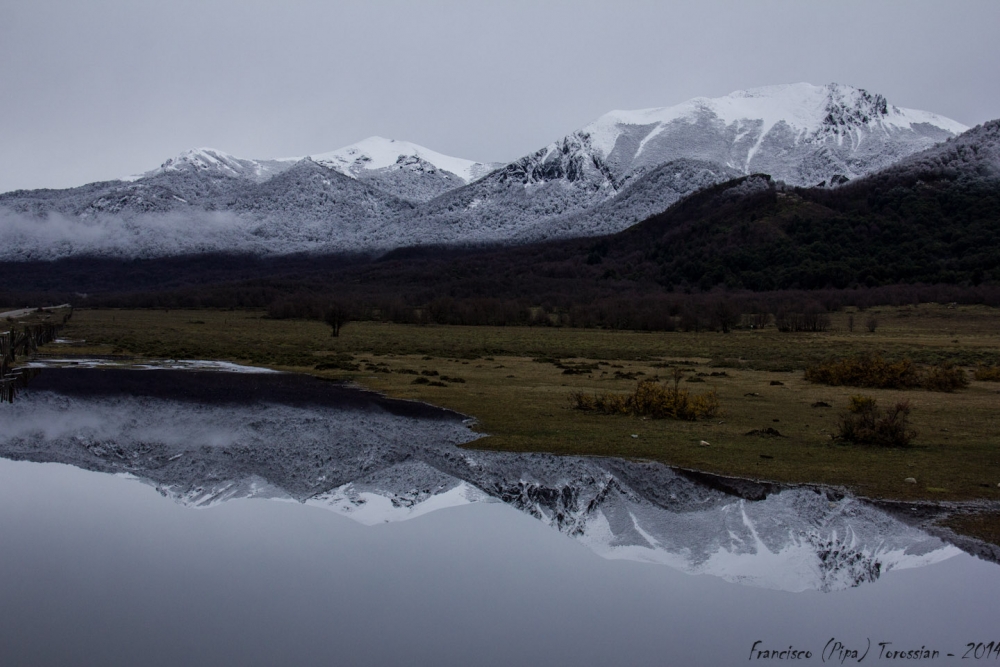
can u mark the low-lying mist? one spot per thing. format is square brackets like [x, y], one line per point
[56, 236]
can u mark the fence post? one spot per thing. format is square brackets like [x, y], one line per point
[22, 342]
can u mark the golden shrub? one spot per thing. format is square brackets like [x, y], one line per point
[651, 399]
[875, 372]
[988, 373]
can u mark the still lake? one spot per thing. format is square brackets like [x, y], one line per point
[166, 517]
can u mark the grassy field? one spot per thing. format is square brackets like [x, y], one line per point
[518, 382]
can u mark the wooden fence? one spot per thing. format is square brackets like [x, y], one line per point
[19, 342]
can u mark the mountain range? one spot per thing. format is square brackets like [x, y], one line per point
[381, 194]
[929, 219]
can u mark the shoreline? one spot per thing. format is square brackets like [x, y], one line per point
[926, 514]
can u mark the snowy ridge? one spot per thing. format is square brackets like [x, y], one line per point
[374, 467]
[780, 130]
[974, 152]
[403, 169]
[219, 163]
[820, 545]
[205, 497]
[379, 153]
[372, 507]
[806, 109]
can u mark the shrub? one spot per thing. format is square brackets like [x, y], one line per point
[705, 405]
[877, 373]
[945, 378]
[651, 399]
[865, 423]
[988, 373]
[609, 404]
[865, 371]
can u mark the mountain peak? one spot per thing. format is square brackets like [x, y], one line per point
[213, 161]
[804, 108]
[757, 129]
[380, 153]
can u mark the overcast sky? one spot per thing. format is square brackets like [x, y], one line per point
[100, 89]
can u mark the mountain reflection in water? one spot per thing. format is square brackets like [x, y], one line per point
[203, 437]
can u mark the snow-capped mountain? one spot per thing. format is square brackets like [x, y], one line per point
[204, 439]
[211, 161]
[403, 169]
[798, 133]
[205, 200]
[380, 194]
[375, 153]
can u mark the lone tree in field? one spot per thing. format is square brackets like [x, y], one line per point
[336, 315]
[726, 314]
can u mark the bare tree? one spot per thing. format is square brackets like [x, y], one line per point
[726, 314]
[336, 315]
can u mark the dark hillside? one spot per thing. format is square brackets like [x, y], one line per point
[935, 218]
